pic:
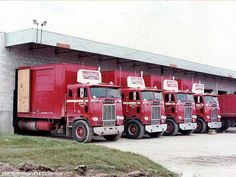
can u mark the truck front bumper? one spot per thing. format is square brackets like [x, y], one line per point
[214, 124]
[108, 130]
[155, 128]
[188, 126]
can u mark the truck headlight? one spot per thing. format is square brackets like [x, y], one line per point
[120, 117]
[208, 117]
[219, 116]
[163, 117]
[194, 116]
[179, 117]
[146, 118]
[95, 119]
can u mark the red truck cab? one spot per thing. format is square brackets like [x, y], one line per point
[68, 99]
[180, 112]
[143, 108]
[207, 109]
[179, 106]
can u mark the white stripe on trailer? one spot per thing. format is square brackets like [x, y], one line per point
[76, 101]
[131, 102]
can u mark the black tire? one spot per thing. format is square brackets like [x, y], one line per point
[225, 124]
[82, 132]
[134, 129]
[172, 128]
[186, 132]
[112, 137]
[201, 126]
[156, 134]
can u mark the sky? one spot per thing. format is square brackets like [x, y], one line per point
[198, 31]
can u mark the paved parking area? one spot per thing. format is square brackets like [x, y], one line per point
[198, 155]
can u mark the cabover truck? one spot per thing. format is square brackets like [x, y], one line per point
[227, 110]
[207, 109]
[143, 108]
[67, 99]
[179, 106]
[207, 106]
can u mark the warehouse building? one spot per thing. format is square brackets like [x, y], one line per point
[30, 47]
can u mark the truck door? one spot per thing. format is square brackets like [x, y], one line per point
[169, 103]
[133, 103]
[82, 100]
[199, 104]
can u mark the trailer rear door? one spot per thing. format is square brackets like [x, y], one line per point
[23, 91]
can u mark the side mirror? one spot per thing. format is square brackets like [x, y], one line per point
[81, 92]
[198, 99]
[169, 97]
[134, 96]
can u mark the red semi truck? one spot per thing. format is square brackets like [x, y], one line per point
[207, 106]
[68, 99]
[143, 108]
[179, 105]
[227, 110]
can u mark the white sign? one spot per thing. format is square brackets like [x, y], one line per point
[135, 82]
[89, 77]
[171, 85]
[198, 88]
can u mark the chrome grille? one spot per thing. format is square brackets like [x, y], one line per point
[188, 114]
[156, 115]
[108, 115]
[214, 114]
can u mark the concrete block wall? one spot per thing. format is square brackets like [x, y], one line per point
[12, 58]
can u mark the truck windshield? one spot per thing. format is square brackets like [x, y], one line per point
[215, 99]
[103, 92]
[113, 93]
[190, 97]
[208, 99]
[183, 97]
[158, 96]
[150, 95]
[211, 99]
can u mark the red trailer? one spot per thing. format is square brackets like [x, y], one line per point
[143, 108]
[68, 99]
[227, 110]
[179, 105]
[207, 106]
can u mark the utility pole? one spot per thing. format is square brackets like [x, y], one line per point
[37, 24]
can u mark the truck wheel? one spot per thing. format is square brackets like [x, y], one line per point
[186, 132]
[225, 124]
[172, 128]
[201, 126]
[134, 129]
[156, 134]
[112, 137]
[82, 132]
